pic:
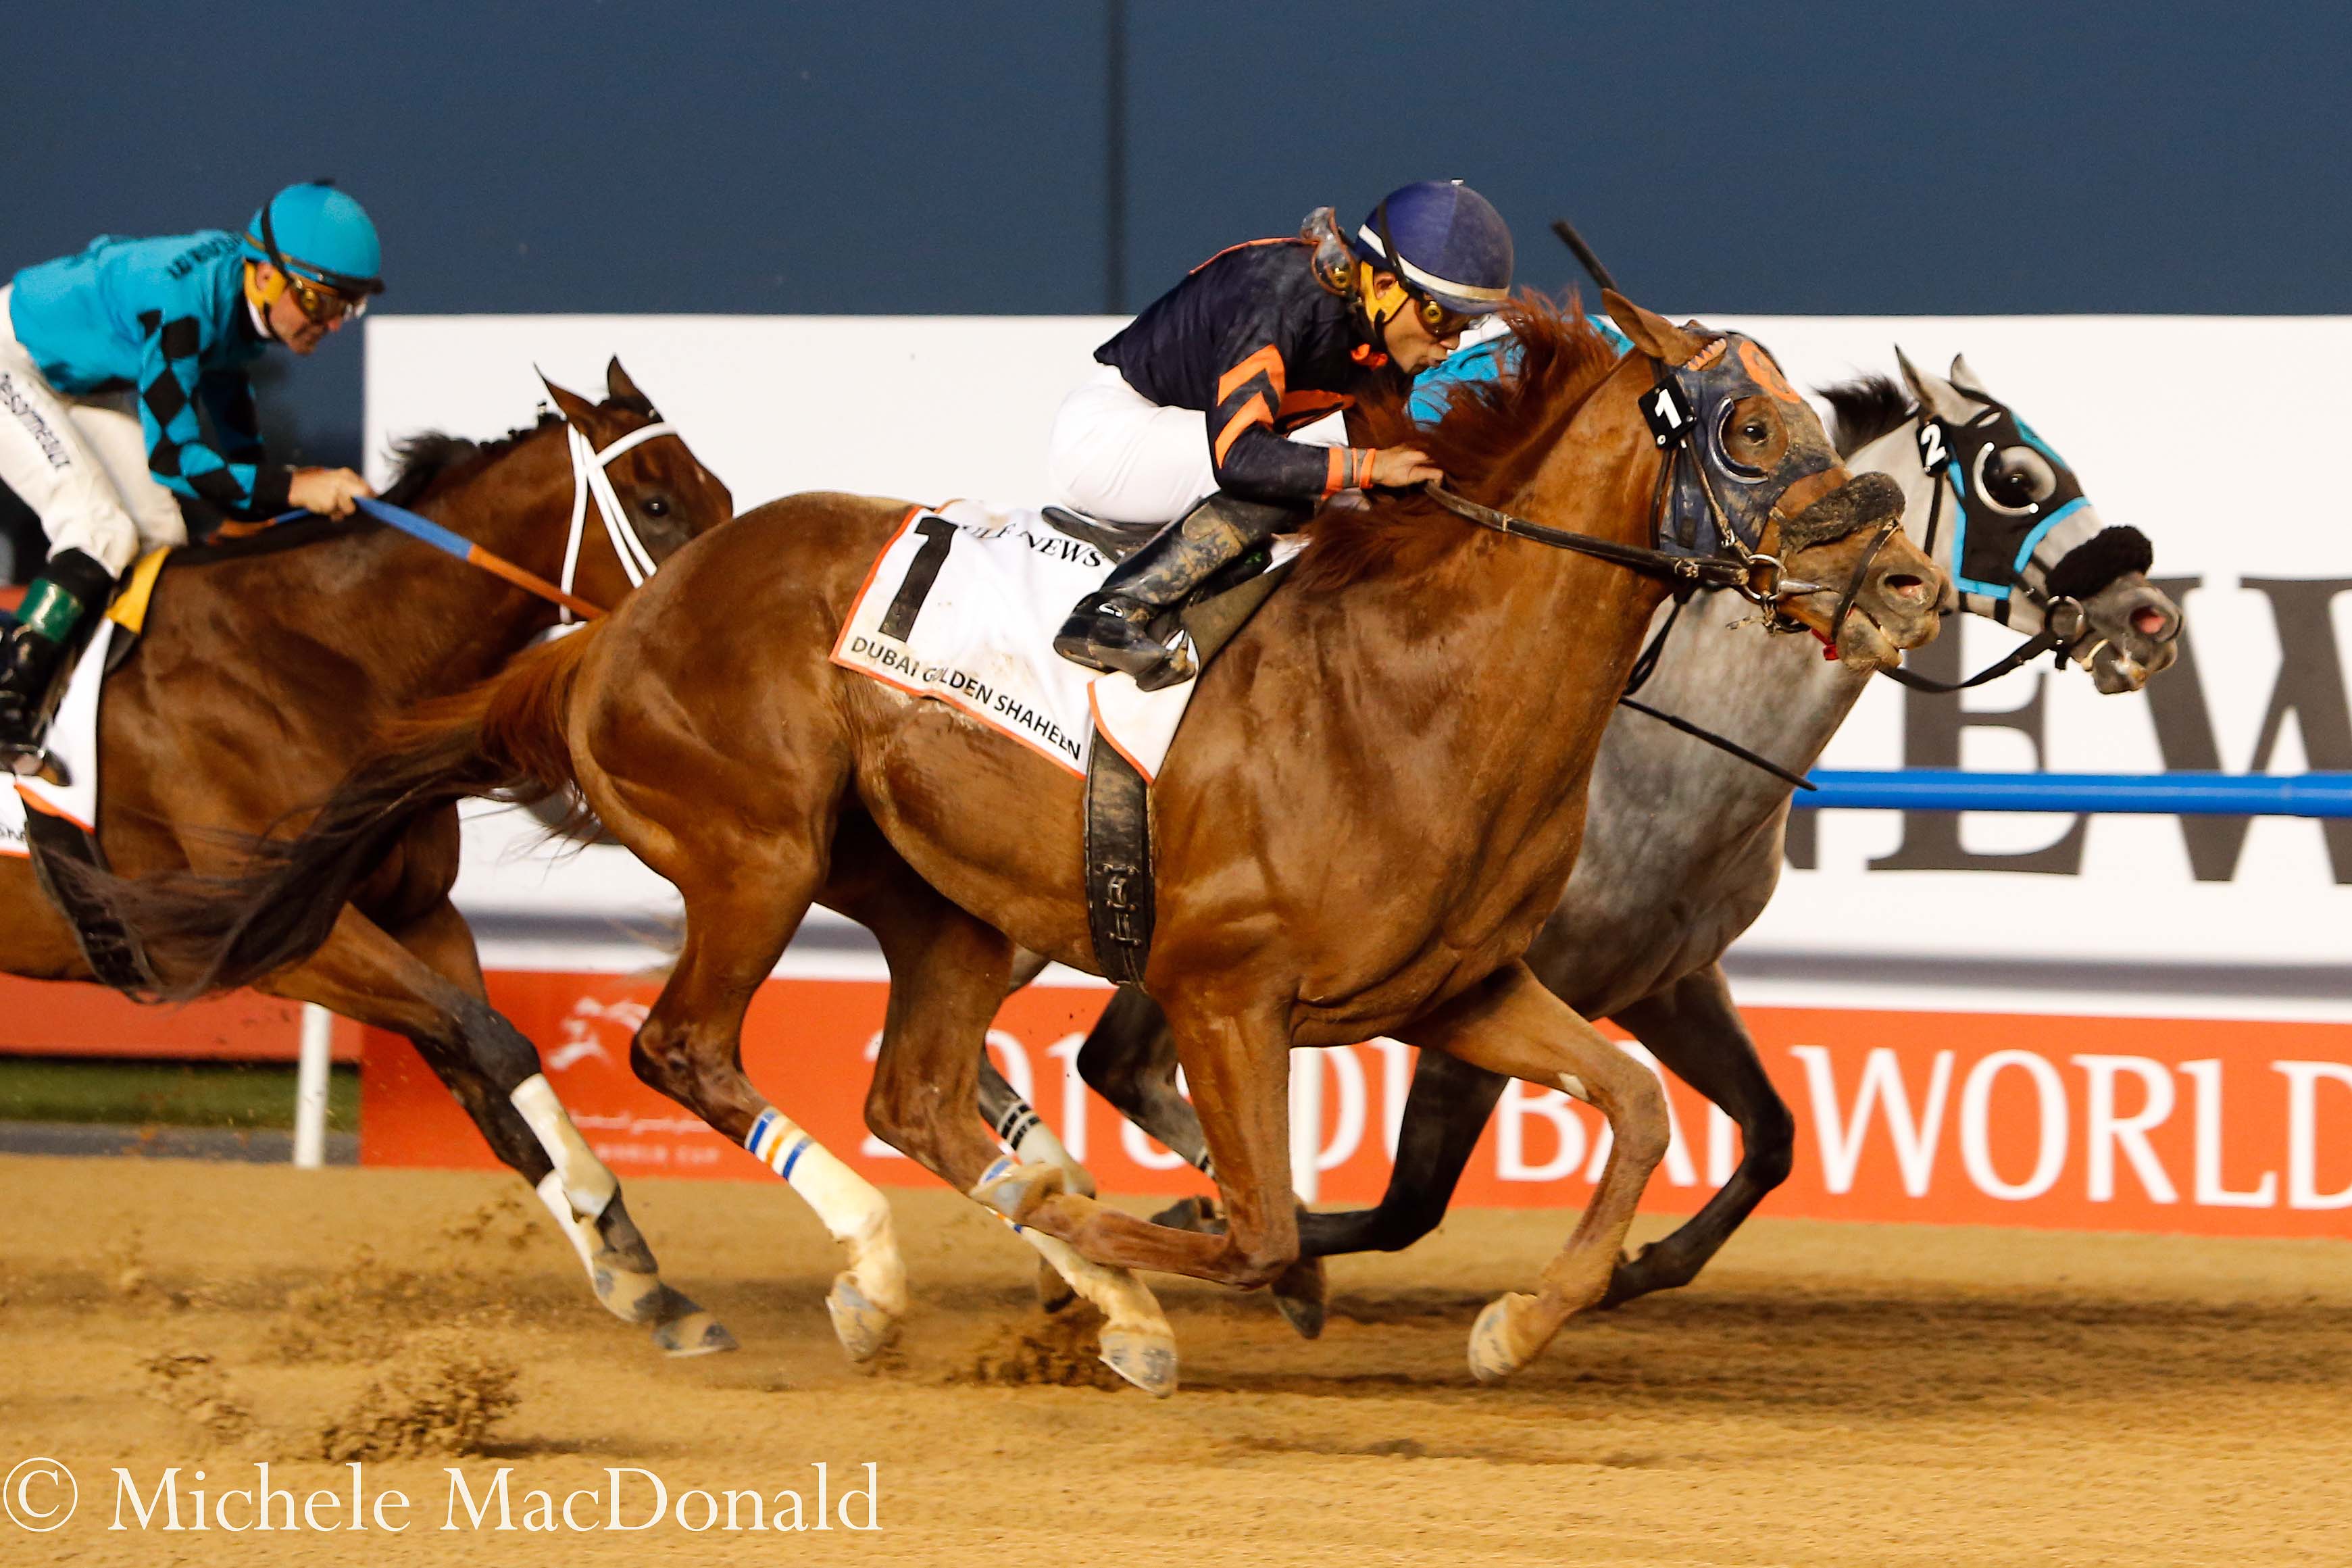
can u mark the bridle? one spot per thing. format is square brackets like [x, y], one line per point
[1671, 414]
[589, 479]
[2065, 624]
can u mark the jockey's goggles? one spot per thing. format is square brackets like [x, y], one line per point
[1435, 318]
[322, 304]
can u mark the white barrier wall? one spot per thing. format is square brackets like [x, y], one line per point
[2199, 431]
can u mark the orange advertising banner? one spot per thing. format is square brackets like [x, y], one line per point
[2086, 1124]
[71, 1018]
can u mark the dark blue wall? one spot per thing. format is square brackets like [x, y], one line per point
[882, 157]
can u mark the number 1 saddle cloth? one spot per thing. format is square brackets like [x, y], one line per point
[961, 607]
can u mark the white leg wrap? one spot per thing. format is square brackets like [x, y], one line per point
[846, 1203]
[585, 1180]
[1034, 1143]
[581, 1233]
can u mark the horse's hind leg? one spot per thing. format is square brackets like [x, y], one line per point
[579, 1193]
[946, 979]
[1697, 1033]
[429, 991]
[691, 1048]
[1511, 1024]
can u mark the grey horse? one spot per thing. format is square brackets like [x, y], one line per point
[1683, 846]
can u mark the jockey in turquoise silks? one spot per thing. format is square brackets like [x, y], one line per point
[113, 361]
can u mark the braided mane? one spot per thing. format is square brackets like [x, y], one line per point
[1493, 435]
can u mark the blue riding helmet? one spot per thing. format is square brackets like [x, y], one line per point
[1445, 242]
[315, 231]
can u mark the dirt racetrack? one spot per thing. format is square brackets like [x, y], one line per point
[1825, 1394]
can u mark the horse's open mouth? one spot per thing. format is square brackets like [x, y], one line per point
[1863, 645]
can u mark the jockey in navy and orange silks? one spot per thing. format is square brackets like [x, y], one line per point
[1189, 422]
[122, 388]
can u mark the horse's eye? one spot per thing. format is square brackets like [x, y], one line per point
[656, 506]
[2018, 478]
[1754, 431]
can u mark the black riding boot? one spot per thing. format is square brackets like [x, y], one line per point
[1113, 628]
[68, 587]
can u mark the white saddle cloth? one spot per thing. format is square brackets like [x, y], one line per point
[961, 607]
[73, 741]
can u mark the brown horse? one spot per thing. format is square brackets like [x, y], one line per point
[1377, 798]
[264, 669]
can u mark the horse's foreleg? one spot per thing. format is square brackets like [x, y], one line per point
[1512, 1024]
[1697, 1033]
[1130, 1059]
[364, 973]
[1444, 1112]
[1237, 1060]
[946, 979]
[689, 1048]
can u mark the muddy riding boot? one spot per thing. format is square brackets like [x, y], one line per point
[1113, 628]
[67, 588]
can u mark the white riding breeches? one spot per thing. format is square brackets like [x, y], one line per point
[81, 463]
[1117, 456]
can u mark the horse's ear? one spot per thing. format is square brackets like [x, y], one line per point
[622, 390]
[1936, 396]
[1968, 380]
[577, 411]
[1651, 333]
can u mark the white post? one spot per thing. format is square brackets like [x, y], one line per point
[1306, 1123]
[311, 1087]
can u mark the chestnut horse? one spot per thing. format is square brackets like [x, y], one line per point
[268, 664]
[1377, 800]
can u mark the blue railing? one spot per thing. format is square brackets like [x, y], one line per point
[2169, 794]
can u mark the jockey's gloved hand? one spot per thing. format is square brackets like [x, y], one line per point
[329, 492]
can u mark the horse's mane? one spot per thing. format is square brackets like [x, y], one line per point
[429, 458]
[1493, 436]
[1864, 408]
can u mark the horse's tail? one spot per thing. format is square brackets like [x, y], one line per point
[503, 738]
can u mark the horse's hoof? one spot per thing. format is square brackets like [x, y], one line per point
[694, 1332]
[1053, 1293]
[1494, 1350]
[1145, 1359]
[632, 1297]
[862, 1327]
[1302, 1294]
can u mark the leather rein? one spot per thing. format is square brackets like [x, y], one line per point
[1753, 575]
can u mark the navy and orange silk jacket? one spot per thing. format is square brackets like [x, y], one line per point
[1256, 343]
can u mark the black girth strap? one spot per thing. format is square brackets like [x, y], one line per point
[1118, 865]
[110, 949]
[1120, 886]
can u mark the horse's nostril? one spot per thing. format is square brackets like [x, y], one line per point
[1905, 585]
[2149, 621]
